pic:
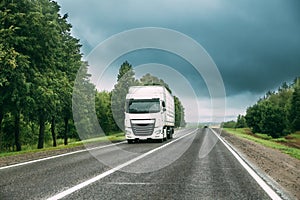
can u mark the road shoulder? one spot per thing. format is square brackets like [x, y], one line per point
[282, 169]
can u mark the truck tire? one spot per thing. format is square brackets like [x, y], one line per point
[160, 140]
[165, 132]
[171, 133]
[129, 141]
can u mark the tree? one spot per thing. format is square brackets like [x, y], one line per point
[104, 112]
[69, 64]
[272, 122]
[278, 113]
[295, 107]
[83, 104]
[14, 65]
[39, 62]
[229, 124]
[45, 32]
[149, 79]
[241, 122]
[125, 80]
[253, 118]
[179, 113]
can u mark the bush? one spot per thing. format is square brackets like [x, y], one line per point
[229, 124]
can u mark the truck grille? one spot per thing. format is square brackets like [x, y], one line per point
[142, 129]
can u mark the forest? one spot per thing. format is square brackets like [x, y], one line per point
[39, 62]
[276, 114]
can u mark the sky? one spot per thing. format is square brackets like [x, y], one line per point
[255, 46]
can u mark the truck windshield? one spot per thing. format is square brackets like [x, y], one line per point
[143, 106]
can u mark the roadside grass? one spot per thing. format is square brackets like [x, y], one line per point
[294, 137]
[60, 144]
[268, 141]
[112, 137]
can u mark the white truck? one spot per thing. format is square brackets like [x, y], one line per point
[149, 114]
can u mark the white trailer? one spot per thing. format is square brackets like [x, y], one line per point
[149, 113]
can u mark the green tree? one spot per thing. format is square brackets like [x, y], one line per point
[272, 123]
[253, 118]
[39, 62]
[69, 64]
[149, 79]
[241, 122]
[126, 78]
[83, 104]
[229, 124]
[179, 113]
[294, 115]
[278, 113]
[14, 66]
[104, 112]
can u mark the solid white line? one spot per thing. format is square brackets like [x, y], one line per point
[61, 155]
[272, 194]
[130, 183]
[100, 176]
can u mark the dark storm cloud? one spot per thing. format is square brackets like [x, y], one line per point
[255, 44]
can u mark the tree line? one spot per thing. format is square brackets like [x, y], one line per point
[276, 114]
[39, 62]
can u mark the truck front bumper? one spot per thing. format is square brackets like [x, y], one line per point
[157, 134]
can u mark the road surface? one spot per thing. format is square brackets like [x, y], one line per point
[186, 167]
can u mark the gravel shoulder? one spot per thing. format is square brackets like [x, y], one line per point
[282, 168]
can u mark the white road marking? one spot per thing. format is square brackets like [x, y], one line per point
[100, 176]
[61, 155]
[129, 183]
[272, 194]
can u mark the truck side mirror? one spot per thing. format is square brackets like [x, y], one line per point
[163, 104]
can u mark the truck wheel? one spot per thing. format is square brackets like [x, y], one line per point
[165, 131]
[171, 133]
[129, 141]
[168, 134]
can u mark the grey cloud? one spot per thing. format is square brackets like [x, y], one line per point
[255, 44]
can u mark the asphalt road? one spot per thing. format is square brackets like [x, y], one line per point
[193, 165]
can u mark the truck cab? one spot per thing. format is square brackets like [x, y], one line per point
[148, 114]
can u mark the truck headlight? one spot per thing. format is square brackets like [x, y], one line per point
[128, 132]
[157, 132]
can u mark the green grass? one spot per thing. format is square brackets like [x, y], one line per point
[113, 137]
[60, 144]
[264, 136]
[32, 149]
[267, 141]
[295, 135]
